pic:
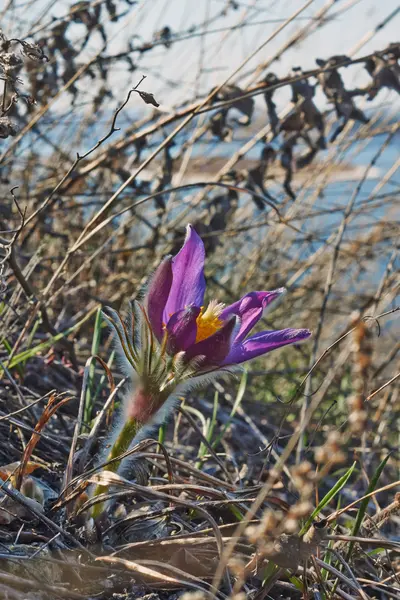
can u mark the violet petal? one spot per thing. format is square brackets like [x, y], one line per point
[182, 329]
[250, 309]
[188, 285]
[157, 295]
[264, 342]
[216, 347]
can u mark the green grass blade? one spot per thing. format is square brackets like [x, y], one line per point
[90, 397]
[328, 497]
[328, 559]
[8, 347]
[364, 503]
[30, 352]
[161, 433]
[269, 572]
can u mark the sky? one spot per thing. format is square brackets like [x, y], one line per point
[194, 66]
[223, 52]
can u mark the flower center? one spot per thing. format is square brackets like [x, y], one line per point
[208, 321]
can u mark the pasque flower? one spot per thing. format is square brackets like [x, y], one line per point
[174, 341]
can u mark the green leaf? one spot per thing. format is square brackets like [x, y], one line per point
[296, 581]
[269, 572]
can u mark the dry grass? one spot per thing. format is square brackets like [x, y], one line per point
[281, 484]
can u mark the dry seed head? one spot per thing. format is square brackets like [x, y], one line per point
[324, 456]
[252, 533]
[270, 520]
[362, 359]
[356, 402]
[194, 596]
[321, 454]
[237, 567]
[358, 421]
[291, 525]
[304, 477]
[303, 469]
[297, 512]
[301, 509]
[338, 458]
[334, 440]
[361, 332]
[269, 548]
[274, 475]
[331, 452]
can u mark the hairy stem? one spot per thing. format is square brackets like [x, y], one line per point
[128, 432]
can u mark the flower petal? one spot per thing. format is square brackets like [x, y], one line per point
[264, 342]
[250, 309]
[182, 329]
[188, 285]
[157, 295]
[216, 347]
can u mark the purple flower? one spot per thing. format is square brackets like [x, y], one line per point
[173, 341]
[216, 336]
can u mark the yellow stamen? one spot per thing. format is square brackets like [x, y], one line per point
[208, 321]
